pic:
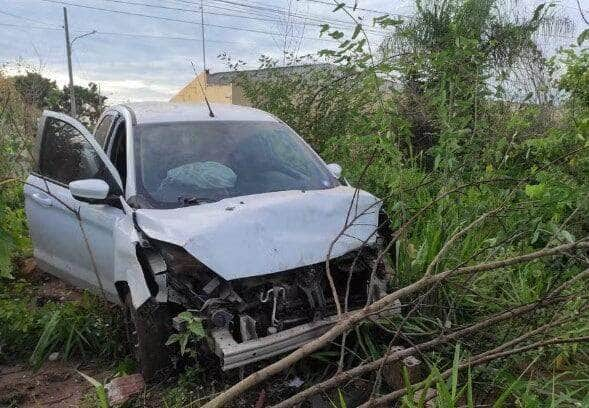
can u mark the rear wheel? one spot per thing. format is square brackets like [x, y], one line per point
[148, 329]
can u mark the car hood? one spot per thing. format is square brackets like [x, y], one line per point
[259, 234]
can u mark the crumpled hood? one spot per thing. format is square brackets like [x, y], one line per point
[259, 234]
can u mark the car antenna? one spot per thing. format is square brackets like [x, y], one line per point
[211, 114]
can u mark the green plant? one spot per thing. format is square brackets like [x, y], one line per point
[81, 327]
[192, 333]
[99, 389]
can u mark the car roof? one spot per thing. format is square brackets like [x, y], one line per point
[158, 112]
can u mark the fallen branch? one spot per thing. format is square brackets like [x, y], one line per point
[349, 320]
[475, 361]
[391, 357]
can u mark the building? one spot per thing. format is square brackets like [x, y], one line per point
[221, 86]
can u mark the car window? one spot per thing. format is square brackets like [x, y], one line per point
[101, 132]
[66, 155]
[185, 162]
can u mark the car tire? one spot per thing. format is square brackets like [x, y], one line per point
[148, 329]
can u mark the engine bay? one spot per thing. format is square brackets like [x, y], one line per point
[252, 308]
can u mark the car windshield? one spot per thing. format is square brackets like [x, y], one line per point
[184, 163]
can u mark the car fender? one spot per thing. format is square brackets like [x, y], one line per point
[127, 268]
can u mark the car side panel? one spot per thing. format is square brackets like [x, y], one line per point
[58, 243]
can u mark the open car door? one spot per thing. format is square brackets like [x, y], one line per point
[71, 239]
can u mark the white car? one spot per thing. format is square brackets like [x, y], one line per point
[228, 214]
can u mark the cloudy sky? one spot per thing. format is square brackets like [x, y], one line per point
[142, 49]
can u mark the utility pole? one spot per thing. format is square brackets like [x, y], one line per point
[68, 46]
[202, 32]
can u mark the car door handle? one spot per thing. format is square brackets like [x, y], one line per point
[42, 199]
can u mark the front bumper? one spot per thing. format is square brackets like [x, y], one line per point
[235, 354]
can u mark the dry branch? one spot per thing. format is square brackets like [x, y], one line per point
[391, 357]
[477, 360]
[349, 320]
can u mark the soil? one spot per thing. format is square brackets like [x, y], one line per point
[48, 287]
[55, 384]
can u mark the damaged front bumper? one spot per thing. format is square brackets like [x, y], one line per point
[257, 318]
[234, 354]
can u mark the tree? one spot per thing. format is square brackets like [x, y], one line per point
[43, 93]
[38, 91]
[458, 52]
[89, 102]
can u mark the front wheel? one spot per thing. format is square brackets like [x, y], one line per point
[148, 329]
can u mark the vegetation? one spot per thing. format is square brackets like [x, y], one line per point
[473, 166]
[42, 93]
[436, 119]
[34, 324]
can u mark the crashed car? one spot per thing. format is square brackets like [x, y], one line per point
[225, 212]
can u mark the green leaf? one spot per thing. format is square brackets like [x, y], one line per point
[185, 316]
[455, 365]
[584, 36]
[183, 343]
[324, 28]
[537, 12]
[342, 400]
[385, 21]
[336, 34]
[174, 338]
[91, 380]
[46, 340]
[357, 31]
[101, 394]
[7, 246]
[535, 191]
[339, 6]
[196, 328]
[469, 397]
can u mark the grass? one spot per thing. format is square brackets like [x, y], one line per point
[84, 327]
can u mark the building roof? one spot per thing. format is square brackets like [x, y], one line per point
[157, 112]
[227, 77]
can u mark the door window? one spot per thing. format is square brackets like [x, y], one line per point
[66, 155]
[102, 130]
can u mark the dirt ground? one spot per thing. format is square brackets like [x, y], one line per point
[48, 286]
[55, 384]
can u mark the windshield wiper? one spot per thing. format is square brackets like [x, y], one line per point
[193, 200]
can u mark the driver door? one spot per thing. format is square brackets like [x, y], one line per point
[71, 239]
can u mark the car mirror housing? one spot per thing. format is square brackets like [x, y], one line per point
[93, 191]
[335, 169]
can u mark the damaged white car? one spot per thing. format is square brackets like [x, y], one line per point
[224, 212]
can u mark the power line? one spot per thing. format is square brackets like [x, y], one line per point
[176, 19]
[274, 11]
[163, 37]
[23, 18]
[257, 16]
[333, 4]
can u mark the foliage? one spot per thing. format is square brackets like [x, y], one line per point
[42, 93]
[35, 326]
[191, 334]
[14, 237]
[37, 91]
[101, 400]
[433, 111]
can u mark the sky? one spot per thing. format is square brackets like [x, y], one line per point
[134, 57]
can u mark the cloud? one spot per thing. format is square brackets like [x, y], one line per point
[130, 68]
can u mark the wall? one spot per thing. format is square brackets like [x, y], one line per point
[193, 93]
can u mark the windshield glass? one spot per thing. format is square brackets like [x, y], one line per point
[185, 163]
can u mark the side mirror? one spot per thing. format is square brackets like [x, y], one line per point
[335, 169]
[92, 191]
